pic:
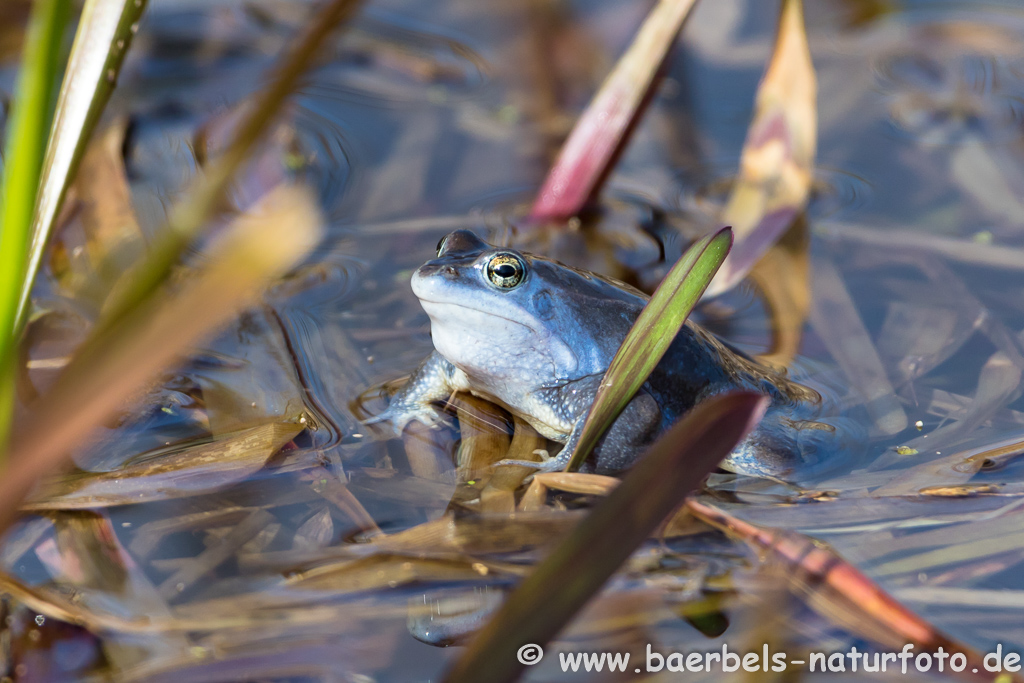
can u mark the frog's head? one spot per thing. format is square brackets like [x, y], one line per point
[515, 322]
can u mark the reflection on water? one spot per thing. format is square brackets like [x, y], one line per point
[429, 117]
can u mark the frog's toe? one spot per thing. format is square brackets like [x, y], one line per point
[551, 465]
[395, 418]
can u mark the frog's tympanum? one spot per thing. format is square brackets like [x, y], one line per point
[536, 337]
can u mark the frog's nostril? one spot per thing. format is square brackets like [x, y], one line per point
[449, 271]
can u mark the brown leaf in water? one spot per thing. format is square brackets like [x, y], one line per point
[90, 553]
[188, 472]
[572, 482]
[430, 453]
[499, 494]
[480, 535]
[777, 162]
[390, 485]
[108, 218]
[916, 337]
[87, 261]
[386, 571]
[783, 278]
[149, 535]
[483, 433]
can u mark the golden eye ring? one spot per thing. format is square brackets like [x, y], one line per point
[506, 271]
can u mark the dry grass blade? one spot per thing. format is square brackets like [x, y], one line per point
[837, 590]
[601, 132]
[195, 568]
[105, 31]
[901, 240]
[536, 495]
[386, 571]
[651, 335]
[119, 362]
[577, 568]
[23, 159]
[208, 192]
[777, 162]
[188, 472]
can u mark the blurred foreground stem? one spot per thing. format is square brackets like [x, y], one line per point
[117, 362]
[209, 191]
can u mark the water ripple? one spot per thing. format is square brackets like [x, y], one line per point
[952, 78]
[385, 63]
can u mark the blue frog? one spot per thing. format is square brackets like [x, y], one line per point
[536, 337]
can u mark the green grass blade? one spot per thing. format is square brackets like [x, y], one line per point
[104, 34]
[577, 568]
[26, 137]
[207, 193]
[651, 335]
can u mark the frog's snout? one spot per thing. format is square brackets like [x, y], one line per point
[432, 278]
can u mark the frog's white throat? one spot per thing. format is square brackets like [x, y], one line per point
[506, 356]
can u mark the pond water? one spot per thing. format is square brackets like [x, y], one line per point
[431, 116]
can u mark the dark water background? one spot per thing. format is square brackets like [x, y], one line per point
[431, 116]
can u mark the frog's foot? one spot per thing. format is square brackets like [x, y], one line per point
[555, 464]
[398, 415]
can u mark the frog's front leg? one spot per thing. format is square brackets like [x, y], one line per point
[633, 430]
[434, 380]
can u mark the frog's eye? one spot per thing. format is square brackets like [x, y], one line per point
[506, 271]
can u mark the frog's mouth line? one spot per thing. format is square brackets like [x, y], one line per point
[478, 310]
